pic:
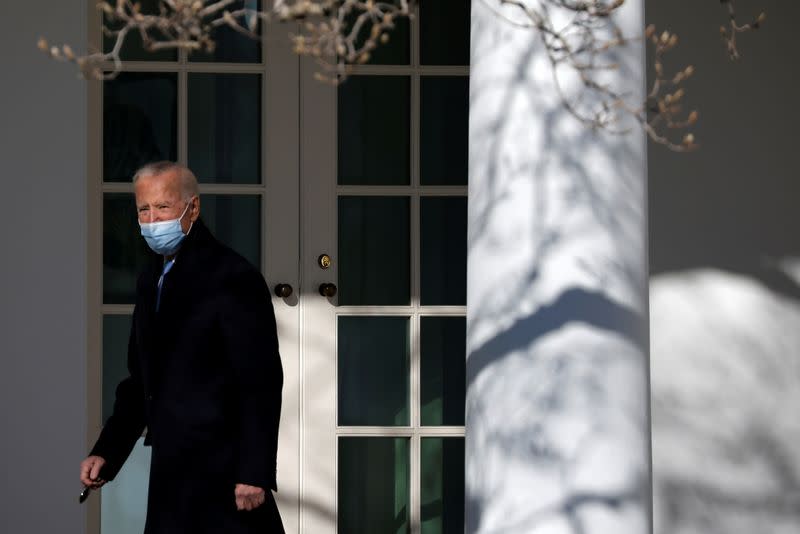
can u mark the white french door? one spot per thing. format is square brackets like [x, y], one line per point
[371, 175]
[384, 195]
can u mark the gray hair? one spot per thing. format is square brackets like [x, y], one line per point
[188, 179]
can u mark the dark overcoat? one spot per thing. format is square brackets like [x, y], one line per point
[205, 380]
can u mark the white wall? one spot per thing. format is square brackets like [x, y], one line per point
[42, 272]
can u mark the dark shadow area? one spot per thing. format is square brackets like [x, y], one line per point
[731, 205]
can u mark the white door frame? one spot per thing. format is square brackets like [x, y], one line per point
[318, 324]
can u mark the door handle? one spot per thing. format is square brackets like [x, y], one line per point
[283, 291]
[327, 290]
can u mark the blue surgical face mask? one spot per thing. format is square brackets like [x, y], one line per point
[164, 237]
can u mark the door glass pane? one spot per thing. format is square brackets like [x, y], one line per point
[440, 47]
[373, 485]
[443, 276]
[396, 52]
[444, 112]
[225, 127]
[374, 248]
[374, 130]
[125, 252]
[233, 219]
[132, 49]
[443, 370]
[373, 371]
[139, 122]
[116, 330]
[442, 494]
[232, 46]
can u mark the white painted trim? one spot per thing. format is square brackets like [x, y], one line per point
[205, 188]
[400, 431]
[402, 190]
[408, 311]
[94, 261]
[318, 325]
[280, 157]
[177, 66]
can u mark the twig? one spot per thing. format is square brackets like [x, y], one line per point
[729, 34]
[332, 30]
[581, 46]
[340, 33]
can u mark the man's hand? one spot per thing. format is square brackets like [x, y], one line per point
[249, 497]
[90, 471]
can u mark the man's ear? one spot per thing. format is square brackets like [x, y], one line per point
[195, 209]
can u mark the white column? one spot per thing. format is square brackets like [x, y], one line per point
[557, 430]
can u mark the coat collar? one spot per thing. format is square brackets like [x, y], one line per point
[197, 244]
[190, 263]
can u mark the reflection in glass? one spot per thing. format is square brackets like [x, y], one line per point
[225, 127]
[232, 46]
[440, 47]
[132, 48]
[373, 371]
[443, 276]
[373, 485]
[374, 130]
[443, 131]
[374, 248]
[233, 219]
[139, 122]
[442, 485]
[443, 370]
[116, 330]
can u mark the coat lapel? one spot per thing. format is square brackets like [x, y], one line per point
[177, 292]
[186, 272]
[180, 285]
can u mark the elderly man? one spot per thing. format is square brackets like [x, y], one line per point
[205, 374]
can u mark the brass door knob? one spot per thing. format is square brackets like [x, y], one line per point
[327, 290]
[283, 291]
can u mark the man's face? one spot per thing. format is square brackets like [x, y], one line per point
[158, 198]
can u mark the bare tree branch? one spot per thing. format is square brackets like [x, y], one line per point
[729, 34]
[340, 33]
[331, 31]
